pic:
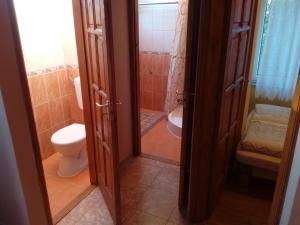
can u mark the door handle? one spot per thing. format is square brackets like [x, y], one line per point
[179, 93]
[107, 104]
[102, 105]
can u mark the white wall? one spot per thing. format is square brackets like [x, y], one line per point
[290, 214]
[157, 27]
[47, 33]
[68, 33]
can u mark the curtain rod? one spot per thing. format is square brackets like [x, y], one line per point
[159, 3]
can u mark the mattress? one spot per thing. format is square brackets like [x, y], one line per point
[262, 143]
[265, 137]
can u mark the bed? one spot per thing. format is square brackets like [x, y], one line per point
[262, 143]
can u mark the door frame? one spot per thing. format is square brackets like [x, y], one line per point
[200, 18]
[133, 28]
[212, 32]
[192, 34]
[20, 120]
[287, 159]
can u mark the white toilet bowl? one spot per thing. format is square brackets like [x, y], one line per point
[70, 142]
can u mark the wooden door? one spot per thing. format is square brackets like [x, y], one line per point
[101, 85]
[232, 93]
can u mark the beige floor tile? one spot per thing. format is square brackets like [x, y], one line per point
[142, 218]
[159, 142]
[62, 191]
[159, 203]
[177, 218]
[90, 211]
[144, 198]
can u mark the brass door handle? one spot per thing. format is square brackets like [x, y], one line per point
[179, 93]
[102, 105]
[107, 104]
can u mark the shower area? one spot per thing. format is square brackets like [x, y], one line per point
[162, 43]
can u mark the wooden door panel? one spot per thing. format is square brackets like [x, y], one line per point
[90, 12]
[219, 168]
[225, 113]
[238, 10]
[102, 68]
[234, 45]
[100, 163]
[247, 13]
[236, 103]
[102, 101]
[94, 63]
[98, 16]
[242, 53]
[232, 91]
[230, 147]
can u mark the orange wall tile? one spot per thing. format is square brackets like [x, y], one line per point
[154, 69]
[54, 104]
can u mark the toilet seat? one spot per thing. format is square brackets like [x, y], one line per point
[69, 134]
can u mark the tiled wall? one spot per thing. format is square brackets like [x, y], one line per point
[157, 23]
[54, 104]
[154, 70]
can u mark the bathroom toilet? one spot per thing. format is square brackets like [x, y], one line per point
[70, 142]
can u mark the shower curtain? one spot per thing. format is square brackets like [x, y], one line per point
[177, 64]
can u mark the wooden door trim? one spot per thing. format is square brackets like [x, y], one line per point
[193, 31]
[29, 113]
[287, 159]
[133, 28]
[208, 66]
[191, 62]
[200, 15]
[83, 73]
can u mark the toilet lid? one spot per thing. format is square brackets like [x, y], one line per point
[69, 134]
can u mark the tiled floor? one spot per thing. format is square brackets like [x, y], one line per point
[159, 142]
[90, 211]
[149, 118]
[63, 191]
[149, 191]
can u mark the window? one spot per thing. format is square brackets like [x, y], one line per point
[263, 35]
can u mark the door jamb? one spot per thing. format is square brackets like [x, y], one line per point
[134, 74]
[191, 66]
[287, 159]
[134, 68]
[22, 78]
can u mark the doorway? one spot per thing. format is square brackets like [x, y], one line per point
[50, 56]
[255, 134]
[162, 27]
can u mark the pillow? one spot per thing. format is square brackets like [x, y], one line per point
[272, 113]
